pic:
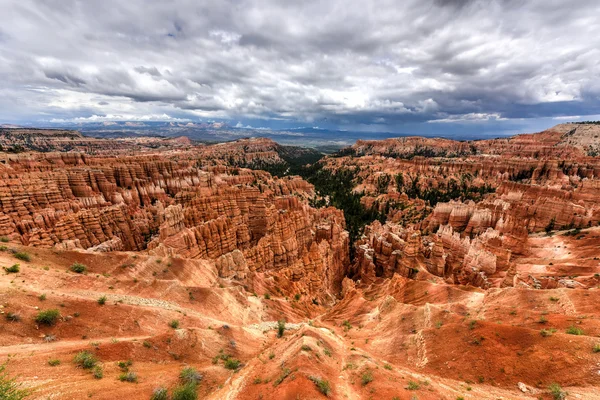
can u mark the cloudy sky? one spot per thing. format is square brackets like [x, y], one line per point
[398, 66]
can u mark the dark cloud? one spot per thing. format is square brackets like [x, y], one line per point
[376, 65]
[148, 70]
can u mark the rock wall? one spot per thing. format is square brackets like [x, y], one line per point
[254, 227]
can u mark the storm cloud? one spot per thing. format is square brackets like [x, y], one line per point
[346, 64]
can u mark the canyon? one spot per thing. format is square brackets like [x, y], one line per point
[404, 268]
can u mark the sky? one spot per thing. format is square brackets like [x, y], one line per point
[439, 66]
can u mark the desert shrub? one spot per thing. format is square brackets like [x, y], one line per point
[554, 299]
[232, 363]
[322, 384]
[4, 239]
[412, 385]
[9, 388]
[388, 367]
[557, 392]
[573, 330]
[267, 296]
[13, 317]
[12, 270]
[174, 324]
[78, 268]
[102, 300]
[160, 393]
[147, 344]
[128, 377]
[42, 297]
[547, 332]
[190, 375]
[49, 338]
[21, 255]
[47, 317]
[185, 392]
[285, 372]
[306, 348]
[366, 378]
[596, 348]
[97, 372]
[280, 327]
[85, 359]
[124, 365]
[53, 362]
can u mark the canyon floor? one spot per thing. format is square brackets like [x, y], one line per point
[160, 255]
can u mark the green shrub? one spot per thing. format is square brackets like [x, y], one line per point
[4, 239]
[322, 384]
[21, 255]
[174, 324]
[596, 348]
[280, 327]
[185, 392]
[47, 317]
[102, 300]
[388, 367]
[97, 372]
[306, 348]
[554, 299]
[285, 372]
[85, 359]
[147, 344]
[267, 296]
[367, 377]
[412, 385]
[78, 268]
[297, 296]
[190, 375]
[573, 330]
[53, 362]
[160, 393]
[9, 388]
[124, 365]
[12, 270]
[42, 297]
[557, 392]
[128, 377]
[232, 363]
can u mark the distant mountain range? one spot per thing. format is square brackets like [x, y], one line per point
[325, 140]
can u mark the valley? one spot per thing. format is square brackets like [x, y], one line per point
[407, 268]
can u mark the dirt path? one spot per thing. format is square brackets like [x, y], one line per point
[53, 347]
